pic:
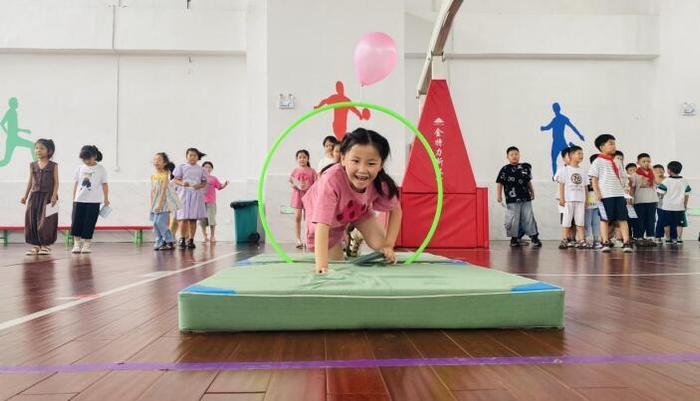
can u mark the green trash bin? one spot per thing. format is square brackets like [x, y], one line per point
[248, 226]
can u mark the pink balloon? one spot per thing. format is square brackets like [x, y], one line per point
[375, 57]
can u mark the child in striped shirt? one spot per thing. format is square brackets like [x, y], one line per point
[609, 181]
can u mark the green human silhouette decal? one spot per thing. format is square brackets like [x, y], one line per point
[10, 126]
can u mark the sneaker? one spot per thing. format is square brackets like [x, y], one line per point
[190, 244]
[536, 243]
[571, 244]
[164, 247]
[582, 245]
[597, 245]
[563, 244]
[606, 246]
[514, 242]
[169, 246]
[627, 247]
[86, 248]
[300, 245]
[679, 241]
[77, 247]
[182, 244]
[44, 250]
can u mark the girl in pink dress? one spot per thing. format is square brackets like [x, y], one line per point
[351, 192]
[301, 180]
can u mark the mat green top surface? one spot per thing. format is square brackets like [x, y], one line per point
[432, 275]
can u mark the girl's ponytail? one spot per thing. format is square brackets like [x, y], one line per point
[382, 178]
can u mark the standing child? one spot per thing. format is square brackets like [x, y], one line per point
[592, 218]
[164, 200]
[676, 191]
[213, 185]
[633, 220]
[572, 194]
[192, 179]
[350, 192]
[40, 228]
[609, 181]
[659, 177]
[515, 181]
[645, 201]
[89, 191]
[174, 223]
[329, 144]
[301, 179]
[336, 158]
[567, 240]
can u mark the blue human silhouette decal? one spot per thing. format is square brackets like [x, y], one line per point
[558, 126]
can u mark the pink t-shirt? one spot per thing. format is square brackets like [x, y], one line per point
[331, 200]
[213, 185]
[303, 177]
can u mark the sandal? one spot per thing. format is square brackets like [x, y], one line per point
[44, 251]
[32, 252]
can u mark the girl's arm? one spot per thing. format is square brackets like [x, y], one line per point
[54, 193]
[75, 188]
[153, 191]
[321, 247]
[499, 193]
[224, 185]
[105, 189]
[161, 203]
[29, 187]
[531, 189]
[392, 233]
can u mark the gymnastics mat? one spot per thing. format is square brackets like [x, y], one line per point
[264, 293]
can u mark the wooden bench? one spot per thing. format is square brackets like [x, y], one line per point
[65, 230]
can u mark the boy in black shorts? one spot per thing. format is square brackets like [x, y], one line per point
[609, 180]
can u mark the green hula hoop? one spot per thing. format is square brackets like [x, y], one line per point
[263, 173]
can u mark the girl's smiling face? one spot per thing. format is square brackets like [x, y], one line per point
[208, 168]
[91, 161]
[362, 163]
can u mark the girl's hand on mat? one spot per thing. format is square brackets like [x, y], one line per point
[321, 269]
[389, 255]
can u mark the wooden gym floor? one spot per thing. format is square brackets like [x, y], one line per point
[104, 327]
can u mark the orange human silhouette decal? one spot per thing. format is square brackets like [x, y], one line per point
[340, 116]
